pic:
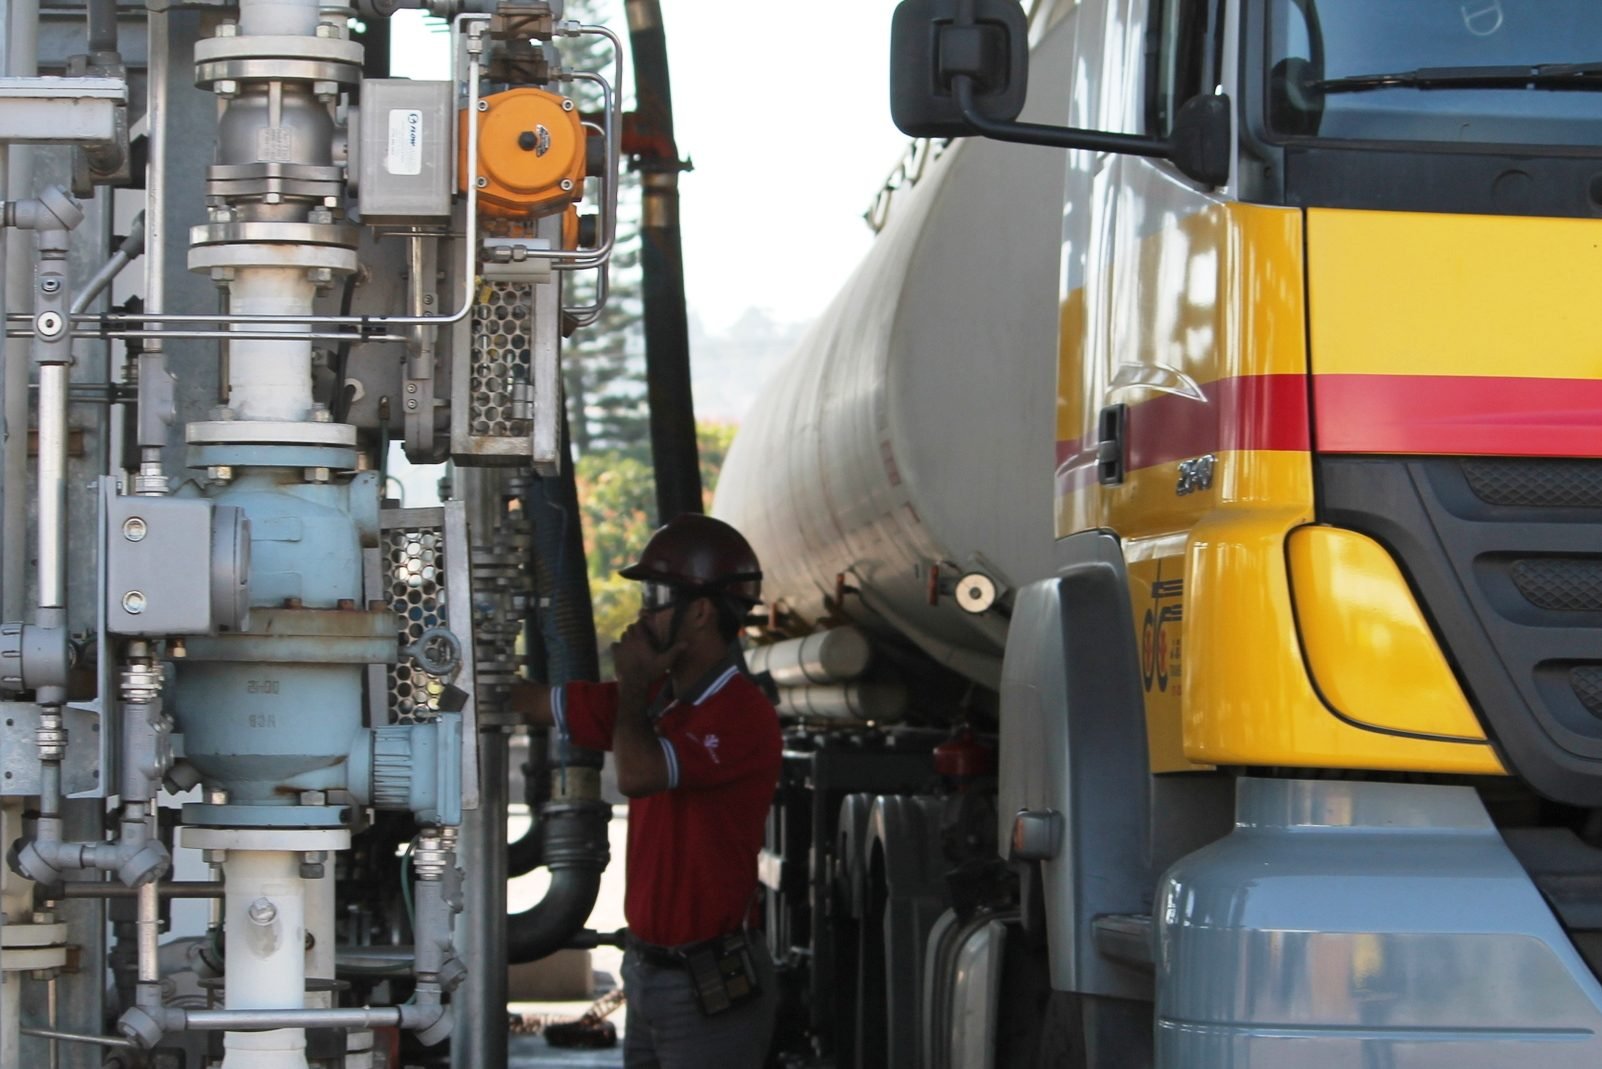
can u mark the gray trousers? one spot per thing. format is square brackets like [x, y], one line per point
[666, 1030]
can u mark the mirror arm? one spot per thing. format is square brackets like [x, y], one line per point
[1029, 133]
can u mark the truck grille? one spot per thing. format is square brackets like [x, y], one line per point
[1505, 558]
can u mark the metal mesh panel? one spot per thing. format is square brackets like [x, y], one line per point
[499, 383]
[1587, 683]
[1536, 483]
[1560, 584]
[414, 575]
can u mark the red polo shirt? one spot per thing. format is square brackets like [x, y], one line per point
[692, 849]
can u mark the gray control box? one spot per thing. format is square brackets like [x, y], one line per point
[175, 566]
[406, 150]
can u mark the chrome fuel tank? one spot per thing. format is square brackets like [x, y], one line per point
[914, 425]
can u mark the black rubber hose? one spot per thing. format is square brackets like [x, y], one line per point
[675, 455]
[570, 836]
[561, 577]
[574, 845]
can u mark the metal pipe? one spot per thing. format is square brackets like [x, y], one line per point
[102, 25]
[74, 1037]
[270, 1020]
[221, 335]
[264, 946]
[149, 934]
[52, 488]
[132, 247]
[172, 889]
[53, 1015]
[479, 1037]
[20, 60]
[160, 58]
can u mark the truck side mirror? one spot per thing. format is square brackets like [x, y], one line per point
[934, 41]
[961, 67]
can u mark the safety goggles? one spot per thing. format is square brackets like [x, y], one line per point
[657, 596]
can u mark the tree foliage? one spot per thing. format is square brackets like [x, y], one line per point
[617, 496]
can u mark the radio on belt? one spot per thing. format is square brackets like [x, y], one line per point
[404, 152]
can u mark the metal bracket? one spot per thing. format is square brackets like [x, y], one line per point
[56, 110]
[19, 751]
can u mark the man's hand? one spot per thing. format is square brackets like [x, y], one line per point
[638, 662]
[637, 752]
[532, 701]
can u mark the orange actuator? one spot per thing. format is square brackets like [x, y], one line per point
[530, 153]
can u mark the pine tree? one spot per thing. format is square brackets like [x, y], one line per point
[604, 364]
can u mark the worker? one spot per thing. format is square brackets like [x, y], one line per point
[696, 748]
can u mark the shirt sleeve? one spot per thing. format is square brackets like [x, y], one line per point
[722, 744]
[585, 713]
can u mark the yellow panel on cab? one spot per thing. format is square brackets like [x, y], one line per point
[1371, 652]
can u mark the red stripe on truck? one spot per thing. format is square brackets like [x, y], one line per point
[1241, 413]
[1458, 414]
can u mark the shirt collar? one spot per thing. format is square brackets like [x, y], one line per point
[716, 678]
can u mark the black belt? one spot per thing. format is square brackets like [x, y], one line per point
[659, 956]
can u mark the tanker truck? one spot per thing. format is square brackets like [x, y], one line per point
[1181, 547]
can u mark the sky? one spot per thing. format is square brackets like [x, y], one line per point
[784, 111]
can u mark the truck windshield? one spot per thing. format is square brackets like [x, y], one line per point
[1470, 71]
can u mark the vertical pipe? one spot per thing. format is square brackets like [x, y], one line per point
[265, 937]
[148, 930]
[16, 900]
[52, 507]
[102, 25]
[21, 60]
[53, 1015]
[479, 1036]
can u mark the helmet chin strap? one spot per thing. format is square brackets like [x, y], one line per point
[673, 628]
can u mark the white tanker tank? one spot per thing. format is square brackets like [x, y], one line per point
[914, 426]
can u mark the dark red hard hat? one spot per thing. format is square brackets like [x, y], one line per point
[702, 554]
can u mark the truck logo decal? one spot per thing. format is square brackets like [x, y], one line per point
[1159, 634]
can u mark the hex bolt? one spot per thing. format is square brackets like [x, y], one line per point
[567, 185]
[262, 912]
[49, 284]
[133, 602]
[567, 105]
[49, 324]
[483, 105]
[482, 182]
[134, 529]
[214, 857]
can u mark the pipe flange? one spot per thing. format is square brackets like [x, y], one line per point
[246, 231]
[222, 260]
[292, 839]
[265, 169]
[268, 432]
[223, 62]
[279, 46]
[30, 936]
